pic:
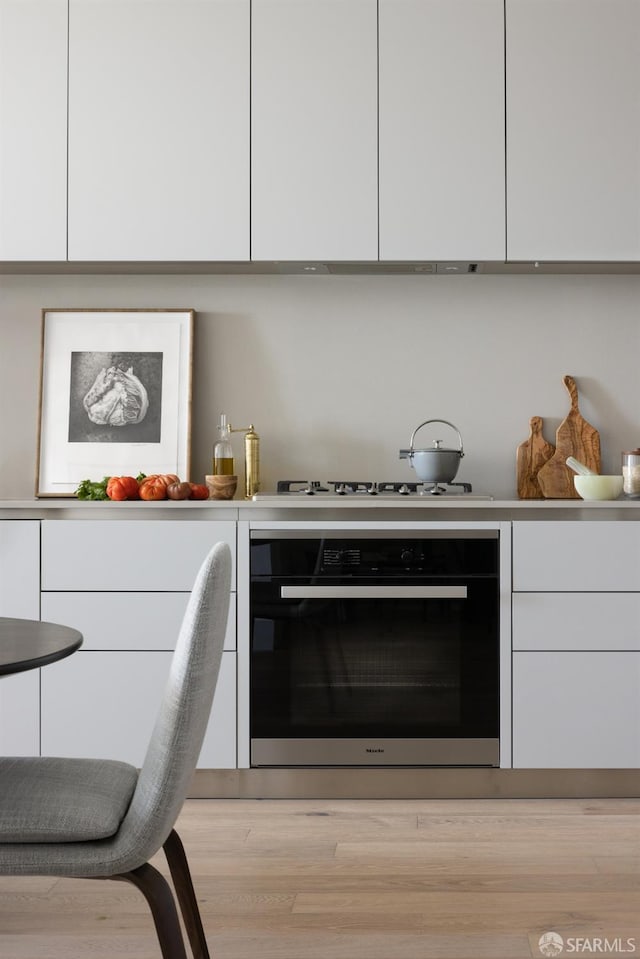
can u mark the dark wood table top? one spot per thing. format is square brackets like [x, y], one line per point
[28, 643]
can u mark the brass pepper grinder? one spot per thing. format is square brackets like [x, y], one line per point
[251, 459]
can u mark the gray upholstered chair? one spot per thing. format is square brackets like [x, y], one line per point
[102, 819]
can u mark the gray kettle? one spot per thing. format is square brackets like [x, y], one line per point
[434, 464]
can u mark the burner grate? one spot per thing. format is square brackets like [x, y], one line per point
[370, 488]
[438, 489]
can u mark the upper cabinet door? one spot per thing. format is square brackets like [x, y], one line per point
[159, 130]
[33, 129]
[442, 130]
[573, 129]
[314, 130]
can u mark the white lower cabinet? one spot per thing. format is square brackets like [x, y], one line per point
[128, 604]
[576, 557]
[20, 598]
[125, 584]
[20, 568]
[594, 622]
[576, 645]
[20, 714]
[128, 555]
[104, 705]
[576, 710]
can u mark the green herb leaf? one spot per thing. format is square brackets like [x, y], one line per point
[88, 489]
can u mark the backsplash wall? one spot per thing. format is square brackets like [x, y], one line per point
[336, 372]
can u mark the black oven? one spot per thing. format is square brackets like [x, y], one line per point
[374, 648]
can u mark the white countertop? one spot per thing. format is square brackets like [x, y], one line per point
[335, 507]
[285, 501]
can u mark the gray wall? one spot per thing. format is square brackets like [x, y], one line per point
[336, 372]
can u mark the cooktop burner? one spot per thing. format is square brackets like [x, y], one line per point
[369, 488]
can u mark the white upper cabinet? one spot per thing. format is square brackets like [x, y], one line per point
[33, 130]
[314, 130]
[442, 130]
[573, 129]
[158, 130]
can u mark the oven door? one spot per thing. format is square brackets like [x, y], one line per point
[371, 665]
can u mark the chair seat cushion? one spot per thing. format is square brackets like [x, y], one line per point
[45, 799]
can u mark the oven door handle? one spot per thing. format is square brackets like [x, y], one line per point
[373, 592]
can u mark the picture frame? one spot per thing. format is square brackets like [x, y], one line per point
[115, 395]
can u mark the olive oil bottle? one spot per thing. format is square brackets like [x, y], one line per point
[222, 451]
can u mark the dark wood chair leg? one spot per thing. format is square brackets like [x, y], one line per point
[157, 892]
[181, 875]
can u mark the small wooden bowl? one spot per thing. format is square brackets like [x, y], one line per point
[222, 487]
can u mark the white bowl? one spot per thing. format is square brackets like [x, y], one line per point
[598, 487]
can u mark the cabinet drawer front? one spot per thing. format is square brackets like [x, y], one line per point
[20, 568]
[20, 714]
[576, 710]
[126, 621]
[128, 555]
[219, 746]
[565, 556]
[104, 706]
[579, 621]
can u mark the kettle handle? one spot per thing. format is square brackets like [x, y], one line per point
[446, 422]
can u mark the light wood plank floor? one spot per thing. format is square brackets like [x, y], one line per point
[363, 879]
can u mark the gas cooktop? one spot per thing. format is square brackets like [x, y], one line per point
[366, 488]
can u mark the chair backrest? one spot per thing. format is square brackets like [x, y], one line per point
[181, 724]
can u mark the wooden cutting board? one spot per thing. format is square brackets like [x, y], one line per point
[574, 437]
[530, 458]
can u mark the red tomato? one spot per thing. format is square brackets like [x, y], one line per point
[179, 490]
[153, 488]
[123, 487]
[199, 491]
[169, 478]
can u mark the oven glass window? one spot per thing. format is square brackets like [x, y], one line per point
[359, 664]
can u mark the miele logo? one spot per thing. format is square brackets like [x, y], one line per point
[368, 749]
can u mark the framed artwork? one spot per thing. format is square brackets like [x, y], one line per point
[115, 396]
